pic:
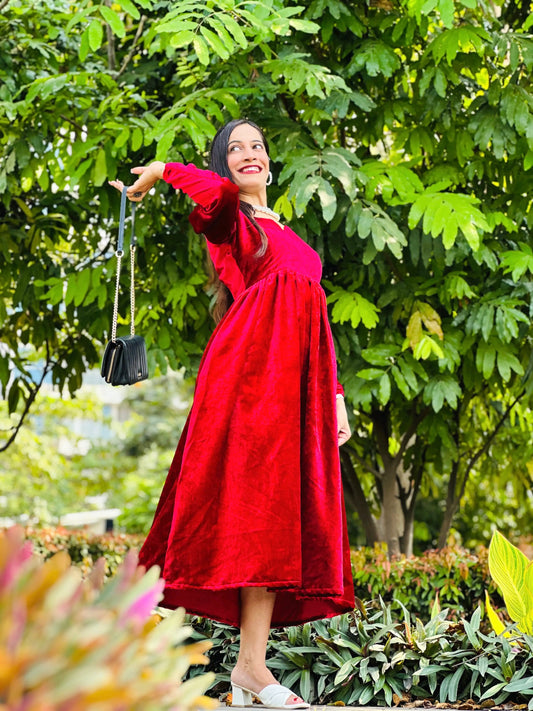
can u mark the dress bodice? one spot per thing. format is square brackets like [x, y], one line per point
[233, 241]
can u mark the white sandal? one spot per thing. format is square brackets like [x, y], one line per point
[273, 696]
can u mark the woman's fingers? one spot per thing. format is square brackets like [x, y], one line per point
[148, 177]
[118, 184]
[135, 192]
[343, 436]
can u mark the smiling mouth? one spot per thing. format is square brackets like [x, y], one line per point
[250, 170]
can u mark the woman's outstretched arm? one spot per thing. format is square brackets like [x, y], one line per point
[148, 177]
[217, 199]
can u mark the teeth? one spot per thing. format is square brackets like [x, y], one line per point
[251, 170]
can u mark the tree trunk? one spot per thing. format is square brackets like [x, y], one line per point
[391, 518]
[391, 512]
[451, 507]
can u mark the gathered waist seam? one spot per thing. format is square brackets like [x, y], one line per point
[281, 272]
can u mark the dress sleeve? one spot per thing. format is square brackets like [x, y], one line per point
[216, 198]
[340, 389]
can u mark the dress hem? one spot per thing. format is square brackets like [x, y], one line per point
[344, 606]
[288, 586]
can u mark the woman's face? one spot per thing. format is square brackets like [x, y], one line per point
[247, 158]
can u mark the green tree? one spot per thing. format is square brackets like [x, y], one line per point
[402, 143]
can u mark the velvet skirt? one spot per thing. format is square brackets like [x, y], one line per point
[253, 496]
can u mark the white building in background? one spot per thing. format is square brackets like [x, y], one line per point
[87, 430]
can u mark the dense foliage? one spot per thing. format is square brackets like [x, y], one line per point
[451, 577]
[382, 654]
[402, 148]
[375, 658]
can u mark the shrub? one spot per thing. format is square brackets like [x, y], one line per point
[70, 643]
[84, 548]
[457, 578]
[370, 657]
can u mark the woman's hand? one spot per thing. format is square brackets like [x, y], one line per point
[343, 427]
[149, 175]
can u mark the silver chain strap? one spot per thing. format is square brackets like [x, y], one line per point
[132, 290]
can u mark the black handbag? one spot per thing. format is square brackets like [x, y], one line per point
[125, 361]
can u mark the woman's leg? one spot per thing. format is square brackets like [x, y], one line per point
[251, 671]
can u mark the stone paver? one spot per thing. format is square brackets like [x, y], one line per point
[260, 707]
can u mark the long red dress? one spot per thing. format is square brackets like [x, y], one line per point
[253, 496]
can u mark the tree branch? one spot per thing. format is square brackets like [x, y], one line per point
[370, 469]
[454, 499]
[482, 450]
[381, 427]
[130, 54]
[3, 3]
[417, 419]
[111, 56]
[76, 125]
[29, 402]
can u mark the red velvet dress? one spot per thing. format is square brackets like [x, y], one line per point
[253, 496]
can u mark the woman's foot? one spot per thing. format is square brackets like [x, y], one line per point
[256, 680]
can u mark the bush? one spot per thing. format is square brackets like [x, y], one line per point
[85, 645]
[370, 657]
[455, 577]
[84, 548]
[382, 654]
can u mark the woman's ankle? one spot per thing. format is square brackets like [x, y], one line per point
[254, 677]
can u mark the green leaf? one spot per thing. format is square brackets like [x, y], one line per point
[353, 307]
[100, 168]
[200, 47]
[365, 223]
[370, 373]
[96, 35]
[507, 362]
[401, 382]
[485, 358]
[446, 214]
[13, 396]
[328, 199]
[384, 389]
[235, 31]
[113, 20]
[440, 389]
[508, 565]
[518, 262]
[215, 42]
[130, 8]
[303, 193]
[518, 685]
[83, 281]
[380, 355]
[182, 38]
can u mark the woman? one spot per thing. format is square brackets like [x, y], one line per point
[250, 529]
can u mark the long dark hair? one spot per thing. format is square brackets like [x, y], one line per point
[218, 162]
